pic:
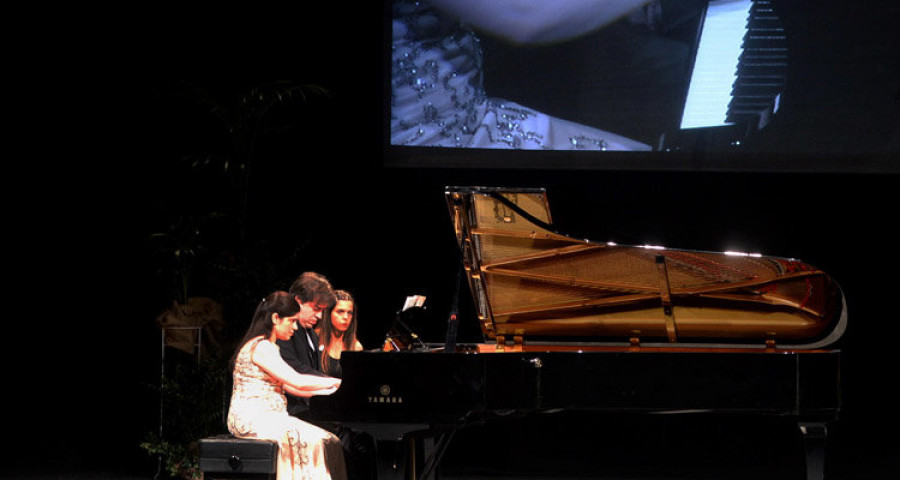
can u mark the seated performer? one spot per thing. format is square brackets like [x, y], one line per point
[314, 294]
[258, 406]
[337, 333]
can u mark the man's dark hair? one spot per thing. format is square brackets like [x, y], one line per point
[313, 287]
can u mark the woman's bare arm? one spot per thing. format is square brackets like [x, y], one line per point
[267, 357]
[536, 21]
[308, 393]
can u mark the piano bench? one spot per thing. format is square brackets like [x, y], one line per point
[228, 457]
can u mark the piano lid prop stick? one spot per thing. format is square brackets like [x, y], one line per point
[400, 336]
[413, 337]
[453, 321]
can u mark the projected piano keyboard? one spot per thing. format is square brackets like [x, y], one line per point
[739, 66]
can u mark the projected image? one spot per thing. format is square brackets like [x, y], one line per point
[574, 75]
[691, 81]
[439, 94]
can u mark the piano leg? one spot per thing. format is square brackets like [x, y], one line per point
[433, 451]
[391, 458]
[415, 456]
[814, 438]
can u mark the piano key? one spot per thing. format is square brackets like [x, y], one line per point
[762, 41]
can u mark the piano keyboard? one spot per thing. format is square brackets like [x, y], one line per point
[739, 65]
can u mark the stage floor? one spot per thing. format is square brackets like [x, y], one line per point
[559, 446]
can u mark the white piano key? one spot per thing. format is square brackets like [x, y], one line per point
[715, 65]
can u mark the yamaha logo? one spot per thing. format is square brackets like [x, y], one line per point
[385, 396]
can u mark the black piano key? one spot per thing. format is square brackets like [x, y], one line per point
[750, 104]
[761, 6]
[750, 91]
[743, 117]
[760, 71]
[772, 80]
[764, 22]
[741, 113]
[762, 66]
[763, 41]
[759, 56]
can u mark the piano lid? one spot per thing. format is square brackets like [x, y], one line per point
[531, 282]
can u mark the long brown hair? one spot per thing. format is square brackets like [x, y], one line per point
[326, 330]
[280, 302]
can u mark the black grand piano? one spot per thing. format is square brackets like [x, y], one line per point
[577, 325]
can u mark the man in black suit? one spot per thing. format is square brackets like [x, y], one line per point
[314, 294]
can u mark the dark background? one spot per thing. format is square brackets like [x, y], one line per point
[103, 171]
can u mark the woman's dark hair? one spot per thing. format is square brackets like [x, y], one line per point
[282, 303]
[325, 329]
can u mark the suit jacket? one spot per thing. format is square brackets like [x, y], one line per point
[302, 353]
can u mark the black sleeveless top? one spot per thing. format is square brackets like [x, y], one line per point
[332, 366]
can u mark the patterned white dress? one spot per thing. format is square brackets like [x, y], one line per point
[258, 409]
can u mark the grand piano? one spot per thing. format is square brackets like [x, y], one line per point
[576, 325]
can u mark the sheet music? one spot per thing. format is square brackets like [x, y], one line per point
[413, 301]
[715, 66]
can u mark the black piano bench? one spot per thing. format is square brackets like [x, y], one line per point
[228, 457]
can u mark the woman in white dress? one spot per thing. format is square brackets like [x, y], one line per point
[258, 406]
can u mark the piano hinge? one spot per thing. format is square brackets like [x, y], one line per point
[518, 340]
[519, 337]
[635, 339]
[770, 340]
